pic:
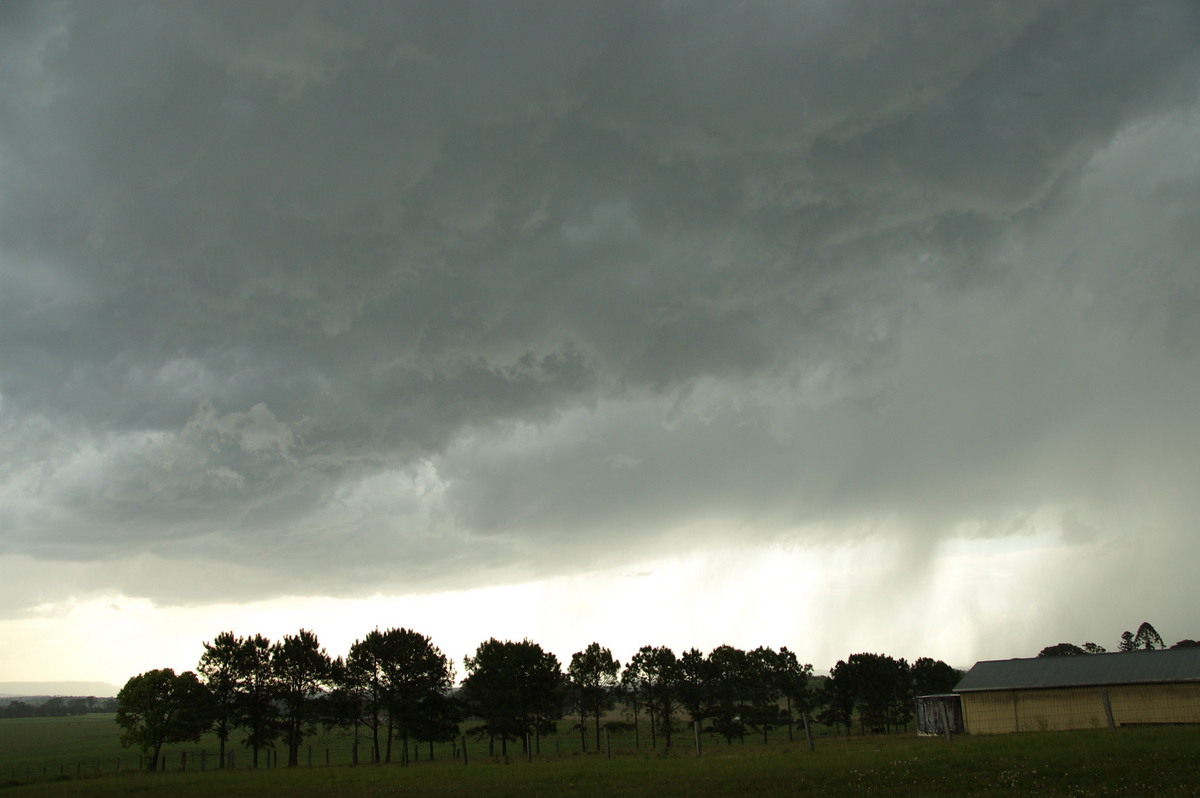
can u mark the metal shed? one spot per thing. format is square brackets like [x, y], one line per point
[936, 712]
[1084, 691]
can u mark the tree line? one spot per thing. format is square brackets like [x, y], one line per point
[55, 707]
[396, 686]
[1146, 638]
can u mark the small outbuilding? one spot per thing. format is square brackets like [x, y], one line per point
[939, 714]
[1082, 692]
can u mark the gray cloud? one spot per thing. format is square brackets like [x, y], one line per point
[382, 297]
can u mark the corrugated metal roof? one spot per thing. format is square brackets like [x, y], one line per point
[1128, 667]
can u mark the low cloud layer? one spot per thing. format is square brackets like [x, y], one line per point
[321, 299]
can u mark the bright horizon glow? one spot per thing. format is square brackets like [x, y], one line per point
[743, 597]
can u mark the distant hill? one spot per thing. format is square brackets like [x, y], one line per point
[20, 689]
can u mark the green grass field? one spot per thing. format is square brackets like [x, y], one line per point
[1134, 761]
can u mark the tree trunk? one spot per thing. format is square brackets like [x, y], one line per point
[154, 758]
[653, 723]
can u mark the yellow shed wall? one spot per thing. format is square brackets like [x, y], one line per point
[1005, 711]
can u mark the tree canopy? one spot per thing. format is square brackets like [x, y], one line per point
[159, 707]
[592, 675]
[516, 688]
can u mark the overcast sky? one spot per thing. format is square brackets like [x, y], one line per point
[837, 325]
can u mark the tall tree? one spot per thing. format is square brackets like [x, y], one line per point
[879, 687]
[792, 678]
[415, 675]
[258, 714]
[664, 675]
[515, 688]
[593, 678]
[839, 694]
[728, 681]
[1148, 638]
[631, 689]
[654, 672]
[160, 707]
[547, 684]
[437, 719]
[365, 678]
[345, 706]
[693, 684]
[220, 667]
[301, 670]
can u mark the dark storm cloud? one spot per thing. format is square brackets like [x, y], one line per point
[378, 296]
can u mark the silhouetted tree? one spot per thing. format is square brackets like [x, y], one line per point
[592, 676]
[219, 667]
[791, 678]
[1062, 650]
[931, 676]
[727, 684]
[655, 672]
[1148, 638]
[880, 688]
[258, 714]
[363, 678]
[436, 719]
[345, 705]
[762, 690]
[398, 675]
[1187, 643]
[300, 669]
[692, 688]
[160, 707]
[516, 688]
[416, 675]
[631, 690]
[839, 698]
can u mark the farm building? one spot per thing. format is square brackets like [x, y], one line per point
[1081, 692]
[936, 712]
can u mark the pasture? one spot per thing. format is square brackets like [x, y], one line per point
[1132, 761]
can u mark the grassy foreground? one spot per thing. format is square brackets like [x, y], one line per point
[1144, 761]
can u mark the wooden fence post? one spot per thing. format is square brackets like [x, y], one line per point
[696, 726]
